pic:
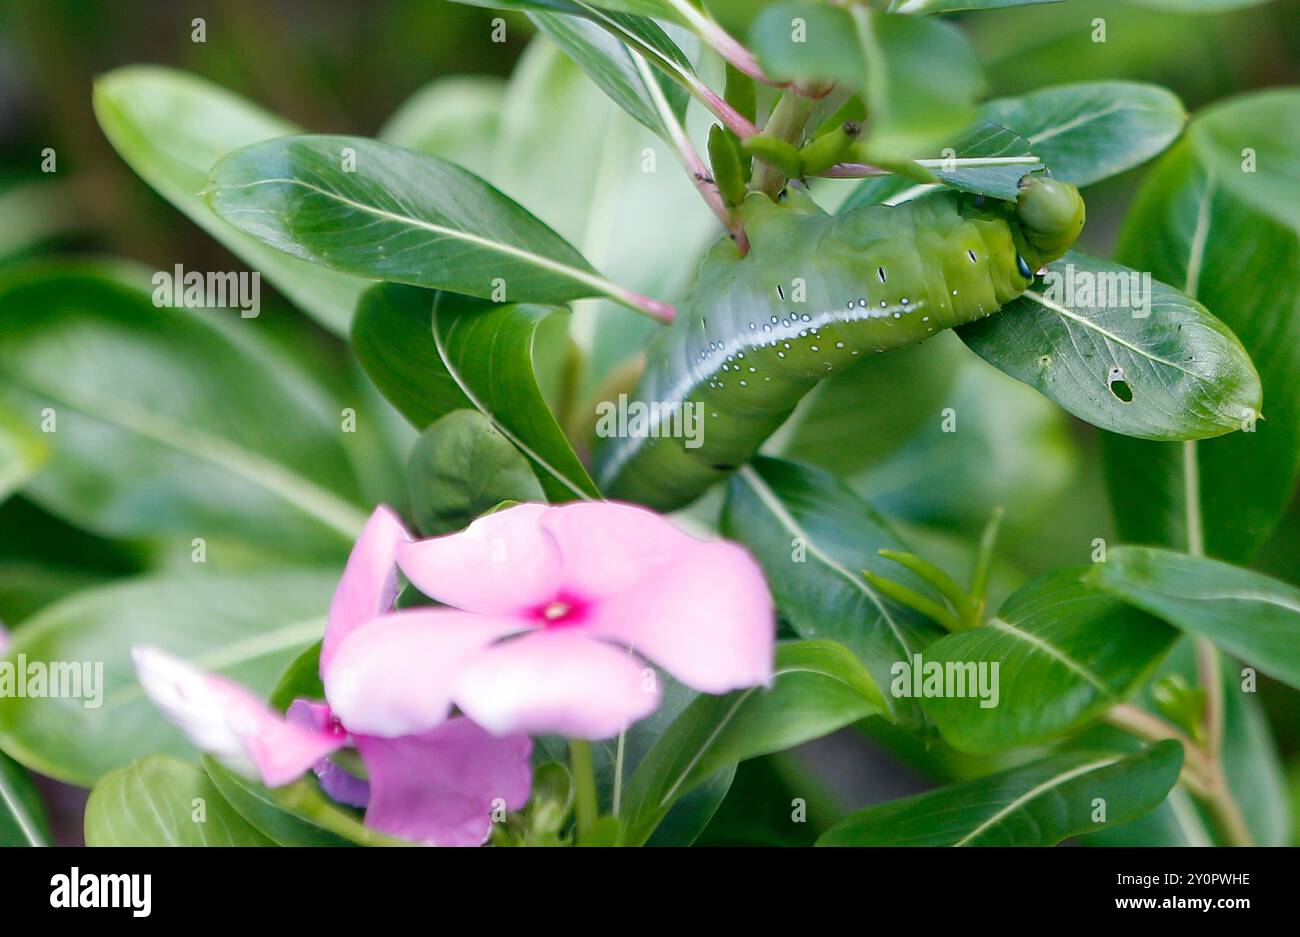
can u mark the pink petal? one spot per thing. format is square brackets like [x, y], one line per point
[369, 584]
[708, 619]
[555, 682]
[439, 787]
[393, 676]
[341, 785]
[609, 547]
[502, 563]
[225, 720]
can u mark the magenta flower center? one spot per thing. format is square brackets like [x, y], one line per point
[563, 611]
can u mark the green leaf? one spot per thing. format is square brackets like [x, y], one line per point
[919, 76]
[1089, 131]
[1065, 653]
[22, 818]
[172, 422]
[22, 451]
[1253, 616]
[171, 127]
[461, 467]
[244, 626]
[1038, 804]
[813, 537]
[379, 211]
[1190, 228]
[430, 356]
[164, 802]
[1198, 6]
[1175, 373]
[653, 100]
[818, 687]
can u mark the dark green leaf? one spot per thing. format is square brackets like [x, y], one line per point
[818, 687]
[1253, 616]
[22, 818]
[1037, 804]
[813, 538]
[1183, 372]
[466, 354]
[1065, 653]
[160, 801]
[462, 467]
[379, 211]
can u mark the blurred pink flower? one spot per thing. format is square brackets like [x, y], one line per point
[547, 605]
[436, 787]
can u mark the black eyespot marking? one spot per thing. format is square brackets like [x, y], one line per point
[973, 258]
[1023, 267]
[880, 272]
[780, 292]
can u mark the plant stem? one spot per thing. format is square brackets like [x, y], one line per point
[1197, 772]
[583, 768]
[786, 123]
[720, 41]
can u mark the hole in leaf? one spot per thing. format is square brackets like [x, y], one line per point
[1118, 385]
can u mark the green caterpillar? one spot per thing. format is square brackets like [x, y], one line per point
[815, 294]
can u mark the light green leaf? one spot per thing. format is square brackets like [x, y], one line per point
[1253, 616]
[1065, 653]
[813, 537]
[1037, 804]
[22, 818]
[818, 687]
[1170, 371]
[241, 446]
[455, 118]
[467, 354]
[245, 626]
[164, 802]
[22, 451]
[461, 467]
[171, 127]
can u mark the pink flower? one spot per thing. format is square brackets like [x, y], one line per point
[547, 606]
[436, 786]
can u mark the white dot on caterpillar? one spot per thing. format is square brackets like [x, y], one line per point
[839, 344]
[744, 383]
[815, 348]
[954, 292]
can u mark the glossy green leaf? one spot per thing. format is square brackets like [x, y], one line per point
[1190, 228]
[1090, 131]
[171, 127]
[376, 210]
[171, 422]
[818, 687]
[466, 354]
[22, 818]
[1253, 616]
[1065, 652]
[1038, 804]
[1172, 371]
[461, 467]
[960, 6]
[160, 801]
[813, 537]
[245, 626]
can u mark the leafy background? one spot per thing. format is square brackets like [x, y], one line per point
[96, 538]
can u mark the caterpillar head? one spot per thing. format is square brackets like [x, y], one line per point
[1051, 216]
